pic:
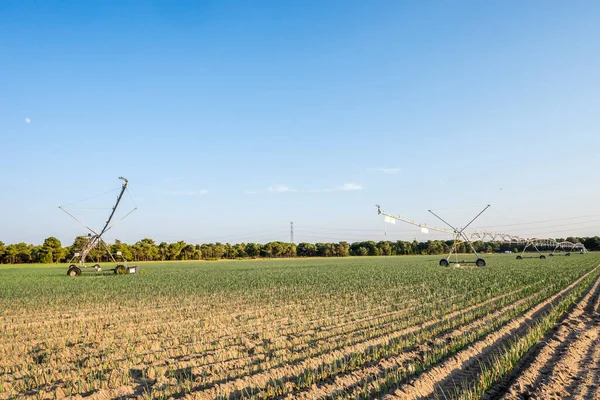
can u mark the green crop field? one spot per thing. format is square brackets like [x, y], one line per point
[298, 328]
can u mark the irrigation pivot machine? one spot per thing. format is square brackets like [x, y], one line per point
[94, 240]
[460, 236]
[458, 233]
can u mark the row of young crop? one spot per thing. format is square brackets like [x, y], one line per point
[292, 380]
[280, 348]
[186, 349]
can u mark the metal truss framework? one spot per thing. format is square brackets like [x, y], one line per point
[499, 237]
[95, 240]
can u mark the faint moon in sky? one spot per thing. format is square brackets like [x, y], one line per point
[27, 120]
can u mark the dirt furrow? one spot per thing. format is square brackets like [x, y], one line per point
[564, 365]
[260, 380]
[356, 380]
[189, 316]
[466, 365]
[16, 318]
[233, 356]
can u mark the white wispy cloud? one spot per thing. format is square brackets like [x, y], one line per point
[280, 189]
[182, 193]
[349, 186]
[173, 179]
[287, 189]
[387, 170]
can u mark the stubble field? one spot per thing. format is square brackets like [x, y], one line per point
[385, 327]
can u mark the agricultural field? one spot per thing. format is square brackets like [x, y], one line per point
[368, 327]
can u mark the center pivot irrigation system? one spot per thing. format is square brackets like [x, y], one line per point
[461, 236]
[95, 241]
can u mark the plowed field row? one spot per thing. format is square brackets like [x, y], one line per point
[347, 328]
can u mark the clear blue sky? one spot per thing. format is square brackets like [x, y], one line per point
[231, 119]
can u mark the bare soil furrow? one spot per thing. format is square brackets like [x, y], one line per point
[446, 378]
[562, 365]
[218, 357]
[255, 381]
[357, 380]
[168, 305]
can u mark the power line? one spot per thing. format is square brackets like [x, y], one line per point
[263, 232]
[311, 228]
[556, 226]
[350, 229]
[541, 222]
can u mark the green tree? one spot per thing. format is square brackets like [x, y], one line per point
[124, 248]
[306, 250]
[174, 250]
[240, 250]
[52, 251]
[188, 252]
[325, 249]
[146, 250]
[2, 252]
[275, 249]
[252, 249]
[591, 243]
[218, 250]
[197, 252]
[341, 249]
[163, 249]
[384, 248]
[19, 253]
[77, 246]
[434, 247]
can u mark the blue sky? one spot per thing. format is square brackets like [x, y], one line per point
[231, 119]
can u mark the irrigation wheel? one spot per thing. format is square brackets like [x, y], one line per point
[444, 262]
[519, 258]
[567, 254]
[120, 270]
[542, 257]
[74, 270]
[550, 255]
[480, 262]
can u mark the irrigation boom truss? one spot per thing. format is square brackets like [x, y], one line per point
[460, 236]
[95, 241]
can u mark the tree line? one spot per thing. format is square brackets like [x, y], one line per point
[52, 251]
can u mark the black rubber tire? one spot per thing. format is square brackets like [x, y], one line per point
[444, 262]
[550, 255]
[480, 262]
[519, 258]
[567, 254]
[120, 270]
[74, 271]
[542, 257]
[96, 266]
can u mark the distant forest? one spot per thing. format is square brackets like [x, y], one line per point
[52, 251]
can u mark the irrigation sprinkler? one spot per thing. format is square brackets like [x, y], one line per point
[563, 249]
[566, 248]
[580, 248]
[94, 240]
[536, 244]
[459, 238]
